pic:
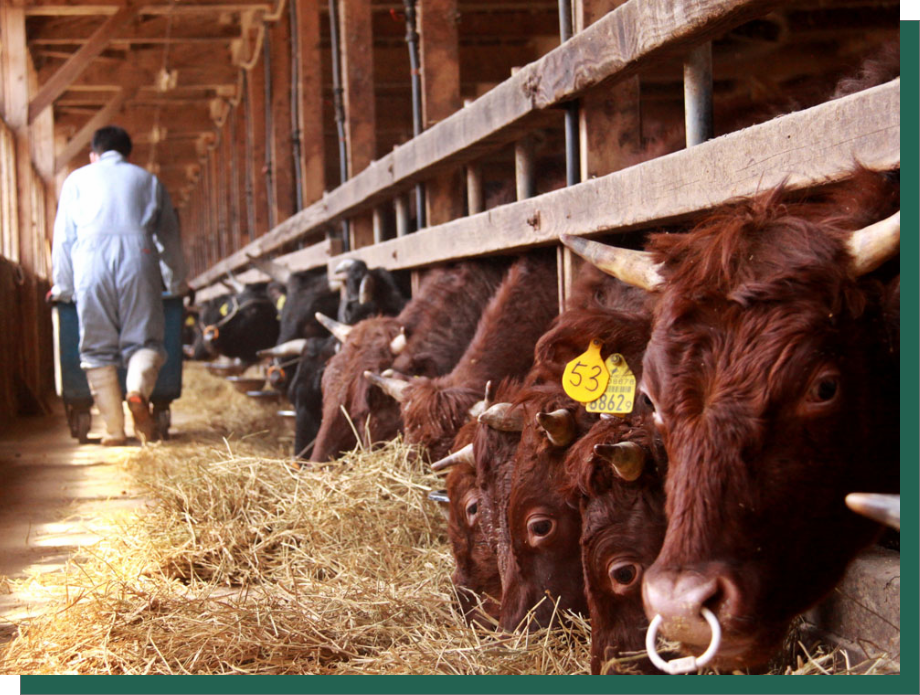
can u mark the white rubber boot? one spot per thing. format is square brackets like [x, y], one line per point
[143, 368]
[103, 384]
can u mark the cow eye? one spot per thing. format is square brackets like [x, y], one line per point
[539, 528]
[623, 574]
[824, 388]
[471, 510]
[647, 402]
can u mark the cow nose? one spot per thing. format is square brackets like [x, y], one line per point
[679, 596]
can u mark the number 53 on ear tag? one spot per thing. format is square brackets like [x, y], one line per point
[586, 377]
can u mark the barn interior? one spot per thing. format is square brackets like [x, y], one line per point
[407, 135]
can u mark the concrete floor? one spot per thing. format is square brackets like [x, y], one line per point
[54, 493]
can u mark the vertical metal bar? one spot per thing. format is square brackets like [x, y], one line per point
[698, 94]
[572, 153]
[378, 225]
[250, 184]
[295, 110]
[339, 104]
[402, 215]
[416, 79]
[269, 181]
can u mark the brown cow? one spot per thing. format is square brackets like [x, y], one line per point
[771, 370]
[433, 410]
[613, 477]
[427, 338]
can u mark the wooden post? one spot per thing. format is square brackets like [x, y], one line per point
[474, 198]
[524, 165]
[255, 83]
[378, 224]
[360, 111]
[402, 214]
[16, 111]
[283, 197]
[311, 103]
[440, 60]
[231, 149]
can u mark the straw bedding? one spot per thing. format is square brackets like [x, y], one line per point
[241, 564]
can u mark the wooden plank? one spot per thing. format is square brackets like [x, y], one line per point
[80, 60]
[59, 8]
[805, 149]
[440, 65]
[283, 197]
[610, 49]
[313, 173]
[315, 256]
[85, 134]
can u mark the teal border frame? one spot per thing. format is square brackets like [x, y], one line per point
[907, 682]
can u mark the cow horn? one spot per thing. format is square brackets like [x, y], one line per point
[885, 509]
[291, 348]
[559, 426]
[504, 418]
[627, 458]
[394, 387]
[234, 284]
[343, 266]
[632, 267]
[875, 244]
[275, 271]
[479, 407]
[339, 330]
[366, 290]
[464, 455]
[398, 344]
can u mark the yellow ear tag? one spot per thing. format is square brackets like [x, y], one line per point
[620, 395]
[190, 321]
[279, 303]
[224, 309]
[586, 377]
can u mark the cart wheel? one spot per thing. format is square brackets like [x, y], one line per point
[82, 421]
[163, 420]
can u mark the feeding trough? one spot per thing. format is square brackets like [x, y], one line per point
[245, 384]
[226, 368]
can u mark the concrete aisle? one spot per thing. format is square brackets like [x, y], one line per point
[54, 493]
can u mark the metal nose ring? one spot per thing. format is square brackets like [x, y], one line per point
[684, 664]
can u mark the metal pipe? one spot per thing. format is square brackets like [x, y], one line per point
[415, 65]
[698, 94]
[250, 184]
[235, 234]
[295, 110]
[339, 105]
[572, 153]
[269, 127]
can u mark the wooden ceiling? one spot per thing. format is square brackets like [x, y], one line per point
[167, 70]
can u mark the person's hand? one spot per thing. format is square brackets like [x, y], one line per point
[52, 298]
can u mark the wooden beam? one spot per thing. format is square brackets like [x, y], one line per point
[310, 109]
[56, 8]
[440, 62]
[85, 134]
[315, 256]
[79, 61]
[608, 50]
[357, 43]
[805, 149]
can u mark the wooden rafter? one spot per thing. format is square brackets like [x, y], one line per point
[85, 134]
[80, 60]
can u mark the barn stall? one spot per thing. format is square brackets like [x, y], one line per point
[408, 136]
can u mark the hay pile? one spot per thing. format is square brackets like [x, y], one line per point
[240, 564]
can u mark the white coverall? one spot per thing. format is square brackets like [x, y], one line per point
[115, 232]
[116, 244]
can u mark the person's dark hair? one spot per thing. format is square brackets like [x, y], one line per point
[112, 138]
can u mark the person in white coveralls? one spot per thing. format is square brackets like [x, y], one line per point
[116, 247]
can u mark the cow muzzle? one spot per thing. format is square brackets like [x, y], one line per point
[691, 606]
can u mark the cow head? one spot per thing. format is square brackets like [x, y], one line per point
[242, 323]
[305, 391]
[613, 476]
[770, 371]
[544, 565]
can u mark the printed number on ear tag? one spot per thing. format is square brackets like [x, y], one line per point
[620, 395]
[586, 377]
[224, 309]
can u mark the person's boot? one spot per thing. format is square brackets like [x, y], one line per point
[144, 426]
[103, 384]
[143, 368]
